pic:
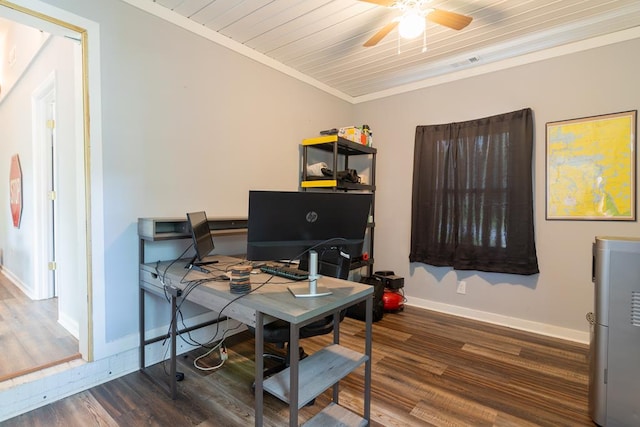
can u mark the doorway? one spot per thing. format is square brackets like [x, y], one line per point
[56, 264]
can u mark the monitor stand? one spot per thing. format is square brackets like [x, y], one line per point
[311, 289]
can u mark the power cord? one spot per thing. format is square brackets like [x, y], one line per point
[190, 286]
[223, 357]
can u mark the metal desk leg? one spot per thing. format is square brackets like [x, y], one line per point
[174, 336]
[141, 326]
[336, 340]
[367, 366]
[294, 356]
[259, 350]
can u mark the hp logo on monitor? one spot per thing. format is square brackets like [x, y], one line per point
[312, 216]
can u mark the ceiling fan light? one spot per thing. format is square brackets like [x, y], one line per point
[411, 25]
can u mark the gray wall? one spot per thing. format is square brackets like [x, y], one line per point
[593, 82]
[188, 125]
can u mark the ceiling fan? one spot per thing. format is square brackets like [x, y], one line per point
[414, 15]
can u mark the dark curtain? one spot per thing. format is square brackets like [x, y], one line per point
[472, 205]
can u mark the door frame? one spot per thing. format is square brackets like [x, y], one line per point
[90, 228]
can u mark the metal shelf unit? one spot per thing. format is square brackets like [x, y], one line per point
[341, 150]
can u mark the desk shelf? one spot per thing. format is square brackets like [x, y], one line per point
[317, 373]
[160, 229]
[156, 229]
[335, 414]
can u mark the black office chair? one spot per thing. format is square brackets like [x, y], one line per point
[278, 332]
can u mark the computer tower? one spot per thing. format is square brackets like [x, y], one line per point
[614, 357]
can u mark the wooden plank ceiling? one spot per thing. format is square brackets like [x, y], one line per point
[323, 39]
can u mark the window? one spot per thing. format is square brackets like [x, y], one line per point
[472, 205]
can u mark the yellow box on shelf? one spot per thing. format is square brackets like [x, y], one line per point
[320, 140]
[319, 183]
[344, 145]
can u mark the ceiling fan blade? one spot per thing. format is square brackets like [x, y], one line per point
[449, 19]
[385, 3]
[380, 34]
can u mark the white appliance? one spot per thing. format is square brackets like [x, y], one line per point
[614, 357]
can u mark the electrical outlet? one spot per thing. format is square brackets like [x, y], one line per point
[462, 287]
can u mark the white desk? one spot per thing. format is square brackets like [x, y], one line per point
[274, 301]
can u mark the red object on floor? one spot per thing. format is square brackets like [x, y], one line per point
[392, 300]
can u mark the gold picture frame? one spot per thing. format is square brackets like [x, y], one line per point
[591, 168]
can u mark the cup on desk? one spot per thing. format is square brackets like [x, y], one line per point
[240, 282]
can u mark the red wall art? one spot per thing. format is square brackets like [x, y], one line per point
[15, 190]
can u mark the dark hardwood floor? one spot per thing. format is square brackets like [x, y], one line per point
[429, 369]
[30, 336]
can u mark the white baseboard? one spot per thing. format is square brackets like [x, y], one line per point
[71, 325]
[497, 319]
[29, 292]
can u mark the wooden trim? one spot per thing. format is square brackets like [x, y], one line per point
[40, 367]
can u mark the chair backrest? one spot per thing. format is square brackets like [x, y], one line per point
[335, 266]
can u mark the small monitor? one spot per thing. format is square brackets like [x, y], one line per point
[202, 240]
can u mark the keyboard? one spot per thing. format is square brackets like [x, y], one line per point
[285, 271]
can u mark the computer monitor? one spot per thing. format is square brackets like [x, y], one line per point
[290, 224]
[202, 240]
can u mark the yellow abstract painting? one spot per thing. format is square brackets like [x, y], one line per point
[591, 168]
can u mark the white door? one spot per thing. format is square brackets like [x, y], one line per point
[51, 193]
